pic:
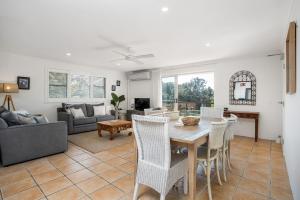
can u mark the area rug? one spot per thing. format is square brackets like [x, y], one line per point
[91, 142]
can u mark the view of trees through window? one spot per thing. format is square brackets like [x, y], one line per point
[187, 93]
[80, 86]
[58, 85]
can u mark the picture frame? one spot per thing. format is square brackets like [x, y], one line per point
[291, 49]
[23, 82]
[118, 83]
[113, 88]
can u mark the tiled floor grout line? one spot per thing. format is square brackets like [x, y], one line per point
[75, 184]
[36, 183]
[239, 176]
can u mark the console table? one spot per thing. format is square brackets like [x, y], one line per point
[246, 115]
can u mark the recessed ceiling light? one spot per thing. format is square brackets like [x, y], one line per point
[208, 44]
[68, 54]
[164, 9]
[118, 64]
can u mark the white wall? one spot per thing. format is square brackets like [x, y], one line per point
[34, 100]
[291, 132]
[268, 72]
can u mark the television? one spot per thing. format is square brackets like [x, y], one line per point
[141, 103]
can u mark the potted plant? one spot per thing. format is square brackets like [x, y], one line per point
[116, 100]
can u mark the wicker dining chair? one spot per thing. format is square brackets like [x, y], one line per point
[211, 112]
[228, 136]
[212, 152]
[157, 167]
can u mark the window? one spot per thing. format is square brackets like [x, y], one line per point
[58, 84]
[63, 85]
[188, 92]
[98, 87]
[80, 86]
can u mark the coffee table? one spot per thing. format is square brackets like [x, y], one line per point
[113, 127]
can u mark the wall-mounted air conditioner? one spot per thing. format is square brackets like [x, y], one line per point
[139, 75]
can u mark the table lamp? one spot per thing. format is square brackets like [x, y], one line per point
[9, 88]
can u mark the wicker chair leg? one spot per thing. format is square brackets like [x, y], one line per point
[218, 171]
[208, 180]
[228, 160]
[224, 158]
[229, 154]
[185, 183]
[136, 191]
[162, 197]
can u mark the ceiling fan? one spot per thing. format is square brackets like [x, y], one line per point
[131, 57]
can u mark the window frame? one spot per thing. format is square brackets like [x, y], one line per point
[69, 98]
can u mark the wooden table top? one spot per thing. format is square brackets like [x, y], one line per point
[115, 123]
[189, 134]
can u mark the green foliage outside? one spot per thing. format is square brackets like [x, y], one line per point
[195, 91]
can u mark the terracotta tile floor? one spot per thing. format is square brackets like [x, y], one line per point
[258, 172]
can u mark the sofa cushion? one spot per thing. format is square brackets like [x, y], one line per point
[86, 120]
[104, 117]
[3, 124]
[41, 119]
[14, 119]
[82, 106]
[2, 109]
[90, 109]
[10, 118]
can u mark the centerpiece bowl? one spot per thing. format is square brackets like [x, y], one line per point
[190, 120]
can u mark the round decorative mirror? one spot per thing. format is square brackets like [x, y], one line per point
[242, 88]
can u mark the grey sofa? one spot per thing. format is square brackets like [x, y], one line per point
[88, 123]
[26, 142]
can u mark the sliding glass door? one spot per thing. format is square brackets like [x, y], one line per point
[169, 92]
[188, 92]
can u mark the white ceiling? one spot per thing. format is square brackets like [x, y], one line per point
[92, 29]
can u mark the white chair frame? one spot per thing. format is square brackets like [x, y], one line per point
[215, 145]
[154, 167]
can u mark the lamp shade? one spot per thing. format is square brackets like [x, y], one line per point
[9, 88]
[1, 88]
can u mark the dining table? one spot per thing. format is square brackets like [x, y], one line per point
[191, 137]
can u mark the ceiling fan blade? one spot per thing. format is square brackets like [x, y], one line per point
[135, 60]
[122, 54]
[116, 60]
[144, 56]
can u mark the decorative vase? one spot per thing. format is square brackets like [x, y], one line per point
[117, 114]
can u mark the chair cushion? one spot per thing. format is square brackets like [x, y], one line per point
[82, 106]
[90, 109]
[86, 120]
[104, 117]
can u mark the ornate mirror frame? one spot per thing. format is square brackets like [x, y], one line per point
[244, 76]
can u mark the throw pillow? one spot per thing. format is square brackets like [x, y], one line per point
[99, 110]
[26, 120]
[77, 113]
[68, 106]
[2, 109]
[22, 113]
[3, 124]
[10, 118]
[41, 119]
[90, 109]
